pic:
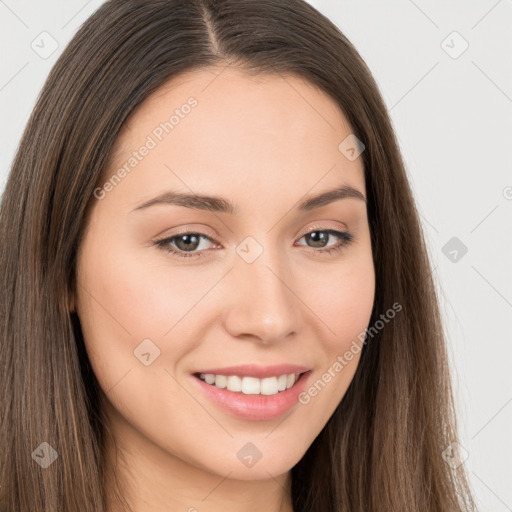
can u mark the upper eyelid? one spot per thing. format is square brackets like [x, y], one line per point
[188, 229]
[321, 227]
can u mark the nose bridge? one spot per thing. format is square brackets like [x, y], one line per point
[262, 301]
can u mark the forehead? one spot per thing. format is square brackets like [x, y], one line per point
[220, 127]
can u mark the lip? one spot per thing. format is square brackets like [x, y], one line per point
[255, 370]
[254, 407]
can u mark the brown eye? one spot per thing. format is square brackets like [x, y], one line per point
[319, 238]
[187, 242]
[184, 244]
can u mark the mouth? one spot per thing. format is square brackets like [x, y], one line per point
[253, 398]
[250, 385]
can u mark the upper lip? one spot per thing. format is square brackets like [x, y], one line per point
[259, 371]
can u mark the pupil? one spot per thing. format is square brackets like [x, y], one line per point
[320, 236]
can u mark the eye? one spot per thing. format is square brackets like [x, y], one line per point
[186, 245]
[320, 236]
[183, 243]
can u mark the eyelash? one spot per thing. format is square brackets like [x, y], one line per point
[345, 239]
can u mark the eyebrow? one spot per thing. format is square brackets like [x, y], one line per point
[221, 205]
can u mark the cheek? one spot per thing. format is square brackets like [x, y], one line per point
[343, 298]
[128, 295]
[347, 309]
[343, 301]
[121, 302]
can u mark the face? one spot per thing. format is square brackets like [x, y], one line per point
[259, 278]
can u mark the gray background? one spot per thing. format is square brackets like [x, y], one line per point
[452, 112]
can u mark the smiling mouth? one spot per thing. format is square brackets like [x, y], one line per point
[251, 385]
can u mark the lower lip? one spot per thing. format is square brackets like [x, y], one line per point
[255, 407]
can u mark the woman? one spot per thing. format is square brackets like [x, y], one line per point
[217, 294]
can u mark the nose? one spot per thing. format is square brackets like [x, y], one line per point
[262, 304]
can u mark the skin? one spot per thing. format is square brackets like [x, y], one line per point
[264, 143]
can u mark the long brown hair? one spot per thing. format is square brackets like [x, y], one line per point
[382, 448]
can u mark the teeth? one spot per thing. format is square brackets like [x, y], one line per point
[234, 383]
[221, 381]
[251, 385]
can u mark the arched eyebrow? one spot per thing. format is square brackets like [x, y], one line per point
[222, 205]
